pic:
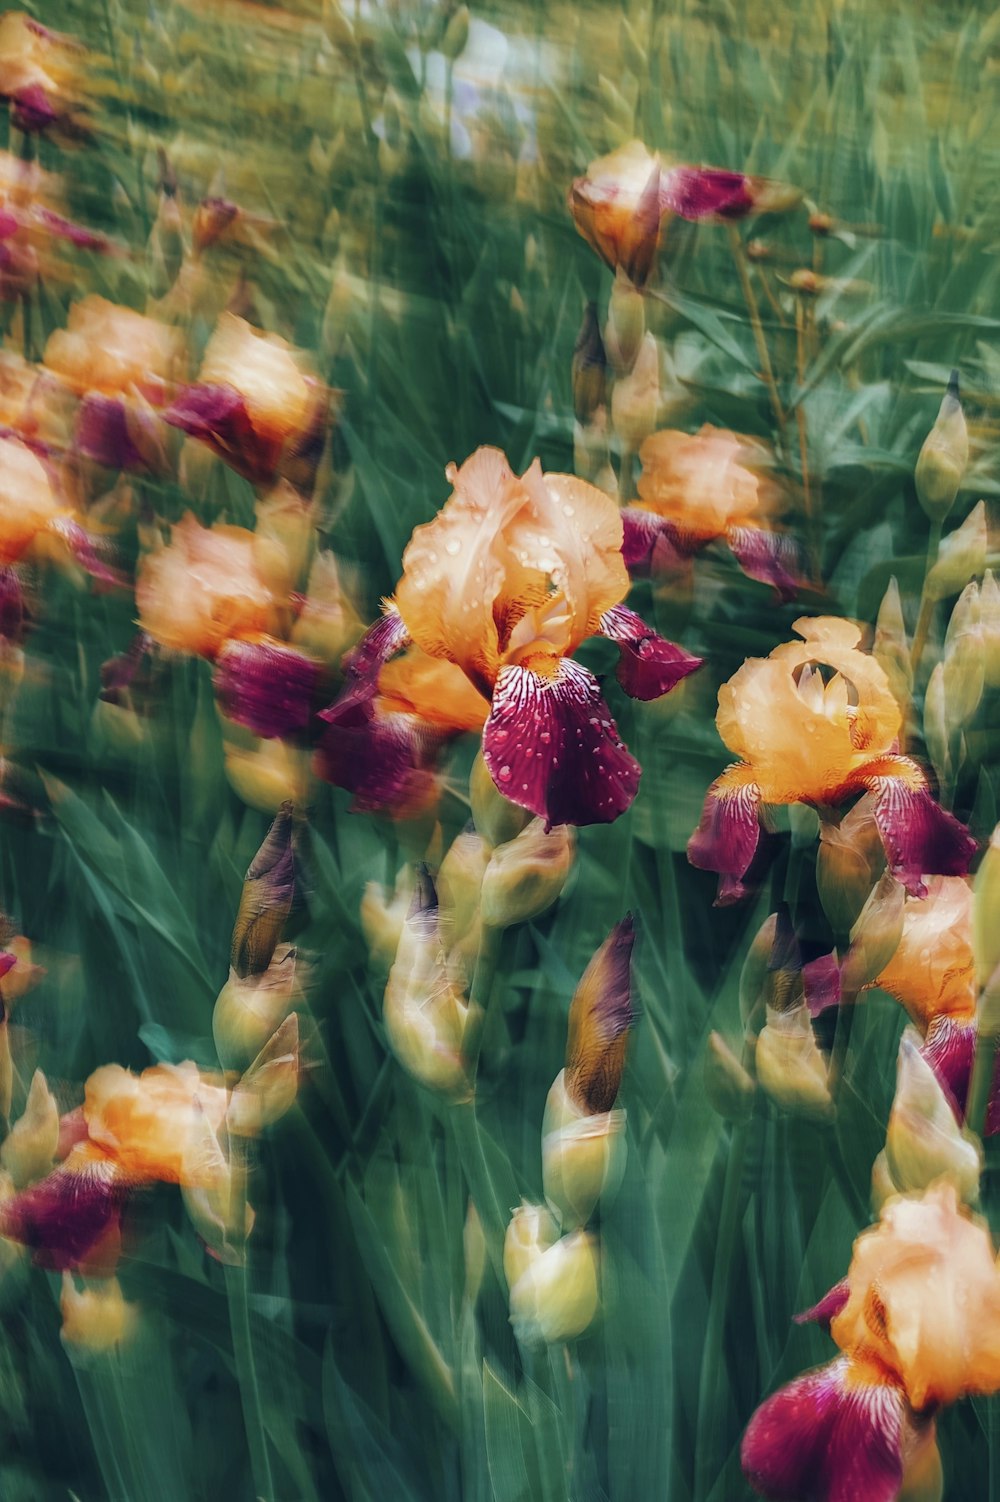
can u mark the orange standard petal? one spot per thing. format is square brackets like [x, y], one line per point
[433, 689]
[705, 482]
[146, 1123]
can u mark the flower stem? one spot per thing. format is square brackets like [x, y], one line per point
[483, 996]
[982, 1077]
[237, 1295]
[926, 603]
[753, 308]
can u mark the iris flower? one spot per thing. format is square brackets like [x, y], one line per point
[816, 723]
[507, 581]
[622, 202]
[917, 1321]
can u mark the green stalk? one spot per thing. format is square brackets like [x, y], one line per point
[237, 1296]
[926, 603]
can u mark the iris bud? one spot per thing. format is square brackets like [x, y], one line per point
[531, 1231]
[495, 817]
[635, 400]
[425, 1010]
[730, 1089]
[891, 647]
[95, 1318]
[583, 1156]
[556, 1298]
[942, 461]
[382, 917]
[30, 1147]
[249, 1010]
[850, 858]
[875, 936]
[790, 1067]
[924, 1141]
[268, 1088]
[961, 556]
[526, 875]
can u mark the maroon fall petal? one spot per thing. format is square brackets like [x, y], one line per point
[950, 1050]
[266, 686]
[821, 982]
[651, 545]
[218, 416]
[364, 662]
[769, 557]
[828, 1307]
[11, 606]
[551, 746]
[102, 433]
[729, 831]
[920, 838]
[373, 756]
[706, 193]
[32, 110]
[66, 1214]
[823, 1439]
[92, 553]
[77, 234]
[649, 665]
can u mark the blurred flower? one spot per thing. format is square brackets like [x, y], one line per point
[985, 908]
[123, 366]
[95, 1318]
[40, 76]
[250, 1008]
[265, 774]
[920, 1327]
[944, 456]
[266, 685]
[31, 1144]
[931, 971]
[28, 501]
[268, 1088]
[875, 936]
[506, 582]
[328, 623]
[961, 556]
[805, 734]
[425, 1010]
[706, 487]
[495, 817]
[253, 403]
[146, 1122]
[203, 589]
[790, 1067]
[526, 875]
[531, 1231]
[924, 1141]
[556, 1298]
[635, 399]
[383, 914]
[266, 899]
[284, 538]
[583, 1136]
[620, 205]
[849, 861]
[589, 367]
[71, 1217]
[460, 888]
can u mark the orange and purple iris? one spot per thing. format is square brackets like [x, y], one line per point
[509, 579]
[816, 723]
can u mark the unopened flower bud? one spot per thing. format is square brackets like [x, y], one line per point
[875, 936]
[961, 556]
[250, 1009]
[531, 1231]
[383, 915]
[986, 912]
[626, 325]
[495, 817]
[963, 660]
[96, 1317]
[526, 875]
[728, 1086]
[213, 1187]
[590, 364]
[989, 624]
[583, 1156]
[924, 1141]
[601, 1016]
[937, 734]
[883, 1185]
[267, 773]
[459, 884]
[424, 1009]
[942, 460]
[891, 648]
[30, 1147]
[456, 34]
[266, 900]
[268, 1088]
[790, 1067]
[850, 858]
[557, 1296]
[328, 625]
[635, 399]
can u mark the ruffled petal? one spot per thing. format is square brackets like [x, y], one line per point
[769, 557]
[551, 745]
[651, 545]
[829, 1436]
[920, 838]
[64, 1216]
[649, 665]
[729, 830]
[828, 1307]
[266, 685]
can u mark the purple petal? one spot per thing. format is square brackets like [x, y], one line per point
[218, 416]
[950, 1050]
[828, 1307]
[380, 642]
[92, 553]
[7, 961]
[102, 433]
[551, 746]
[374, 756]
[769, 557]
[706, 193]
[827, 1437]
[32, 110]
[821, 980]
[11, 605]
[62, 1217]
[649, 665]
[728, 833]
[651, 545]
[84, 239]
[920, 838]
[266, 686]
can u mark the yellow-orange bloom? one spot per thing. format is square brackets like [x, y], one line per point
[932, 972]
[816, 722]
[28, 503]
[114, 350]
[924, 1299]
[202, 590]
[149, 1123]
[705, 482]
[40, 73]
[435, 691]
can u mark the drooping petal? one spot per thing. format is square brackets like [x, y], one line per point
[551, 745]
[950, 1049]
[769, 557]
[119, 435]
[93, 553]
[829, 1436]
[266, 685]
[651, 545]
[64, 1216]
[706, 193]
[729, 830]
[218, 415]
[920, 838]
[649, 664]
[828, 1307]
